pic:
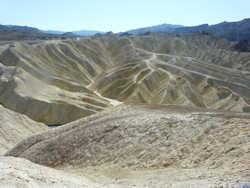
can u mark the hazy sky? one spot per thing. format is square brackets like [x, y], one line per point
[119, 15]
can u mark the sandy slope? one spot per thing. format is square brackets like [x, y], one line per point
[15, 127]
[129, 141]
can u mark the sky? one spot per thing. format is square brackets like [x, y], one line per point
[119, 15]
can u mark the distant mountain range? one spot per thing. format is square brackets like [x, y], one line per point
[53, 32]
[15, 32]
[19, 33]
[80, 32]
[23, 28]
[233, 31]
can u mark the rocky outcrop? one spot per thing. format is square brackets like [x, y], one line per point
[146, 137]
[15, 127]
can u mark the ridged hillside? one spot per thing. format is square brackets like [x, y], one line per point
[56, 82]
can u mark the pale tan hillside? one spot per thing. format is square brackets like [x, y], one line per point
[177, 70]
[195, 144]
[15, 127]
[26, 94]
[67, 80]
[20, 173]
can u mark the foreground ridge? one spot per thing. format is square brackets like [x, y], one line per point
[148, 138]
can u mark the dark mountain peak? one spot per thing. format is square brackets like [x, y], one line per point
[109, 33]
[3, 27]
[202, 25]
[69, 34]
[246, 20]
[23, 28]
[157, 28]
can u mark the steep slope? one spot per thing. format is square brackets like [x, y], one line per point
[233, 31]
[26, 94]
[134, 139]
[15, 127]
[73, 77]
